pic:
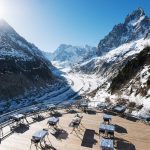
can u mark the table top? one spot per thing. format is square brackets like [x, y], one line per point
[106, 116]
[119, 108]
[110, 128]
[40, 134]
[102, 105]
[53, 120]
[17, 116]
[84, 104]
[107, 143]
[34, 108]
[50, 106]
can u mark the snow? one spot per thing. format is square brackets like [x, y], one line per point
[78, 83]
[14, 53]
[135, 21]
[125, 50]
[82, 83]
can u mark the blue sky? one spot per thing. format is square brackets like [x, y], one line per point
[49, 23]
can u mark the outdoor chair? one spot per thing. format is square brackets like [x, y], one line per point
[76, 124]
[111, 134]
[101, 131]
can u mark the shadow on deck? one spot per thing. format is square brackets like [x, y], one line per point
[124, 145]
[120, 129]
[22, 128]
[88, 138]
[60, 134]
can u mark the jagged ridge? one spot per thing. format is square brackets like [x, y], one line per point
[135, 26]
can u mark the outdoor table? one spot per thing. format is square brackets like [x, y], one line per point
[107, 118]
[40, 136]
[84, 105]
[106, 144]
[102, 105]
[53, 121]
[119, 109]
[51, 107]
[17, 118]
[106, 128]
[35, 110]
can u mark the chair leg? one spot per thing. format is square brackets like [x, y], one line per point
[72, 130]
[31, 145]
[49, 140]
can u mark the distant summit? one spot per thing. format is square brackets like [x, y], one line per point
[135, 16]
[71, 55]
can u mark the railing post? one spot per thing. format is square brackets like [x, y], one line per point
[1, 134]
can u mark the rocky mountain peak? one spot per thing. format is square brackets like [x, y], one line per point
[135, 16]
[135, 26]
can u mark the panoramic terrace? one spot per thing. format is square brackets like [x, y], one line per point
[55, 126]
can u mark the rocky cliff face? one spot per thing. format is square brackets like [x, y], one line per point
[135, 75]
[22, 65]
[135, 26]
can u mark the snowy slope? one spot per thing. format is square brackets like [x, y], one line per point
[121, 45]
[108, 64]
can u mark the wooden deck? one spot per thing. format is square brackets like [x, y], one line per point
[129, 135]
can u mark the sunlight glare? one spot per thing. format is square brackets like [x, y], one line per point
[2, 11]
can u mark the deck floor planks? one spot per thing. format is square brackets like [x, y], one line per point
[137, 135]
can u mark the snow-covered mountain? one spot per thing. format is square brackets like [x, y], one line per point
[71, 55]
[115, 57]
[22, 64]
[124, 44]
[135, 26]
